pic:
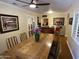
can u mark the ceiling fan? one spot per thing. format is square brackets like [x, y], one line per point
[32, 4]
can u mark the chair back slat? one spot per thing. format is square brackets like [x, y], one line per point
[12, 41]
[8, 46]
[15, 40]
[9, 41]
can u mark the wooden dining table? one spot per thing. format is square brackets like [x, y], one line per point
[30, 49]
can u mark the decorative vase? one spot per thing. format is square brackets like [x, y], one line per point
[37, 36]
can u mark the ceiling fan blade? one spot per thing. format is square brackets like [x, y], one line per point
[22, 1]
[37, 7]
[43, 4]
[32, 1]
[25, 5]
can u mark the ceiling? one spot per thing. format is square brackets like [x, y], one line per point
[55, 5]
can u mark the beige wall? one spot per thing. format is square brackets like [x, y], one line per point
[23, 22]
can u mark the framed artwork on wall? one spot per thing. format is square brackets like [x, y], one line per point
[8, 23]
[70, 20]
[60, 20]
[38, 22]
[45, 22]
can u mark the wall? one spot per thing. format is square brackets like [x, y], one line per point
[23, 22]
[73, 45]
[53, 15]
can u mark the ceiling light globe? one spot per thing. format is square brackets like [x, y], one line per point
[32, 6]
[50, 12]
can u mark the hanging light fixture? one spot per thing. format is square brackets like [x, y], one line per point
[32, 6]
[50, 12]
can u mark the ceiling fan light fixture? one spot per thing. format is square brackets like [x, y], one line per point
[32, 6]
[50, 12]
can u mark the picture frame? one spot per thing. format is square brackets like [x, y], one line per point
[8, 23]
[45, 22]
[58, 19]
[38, 22]
[70, 20]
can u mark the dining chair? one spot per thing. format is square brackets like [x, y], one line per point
[23, 36]
[11, 42]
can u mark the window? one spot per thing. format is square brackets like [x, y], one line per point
[75, 28]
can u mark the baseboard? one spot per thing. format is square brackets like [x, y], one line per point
[70, 50]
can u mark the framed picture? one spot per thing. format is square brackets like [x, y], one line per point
[8, 23]
[38, 22]
[58, 20]
[45, 22]
[70, 21]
